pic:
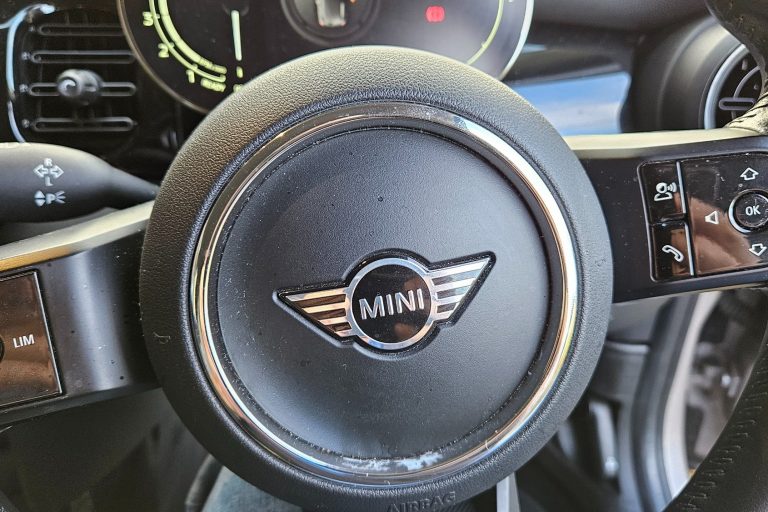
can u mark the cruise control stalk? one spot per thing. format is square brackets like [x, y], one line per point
[43, 182]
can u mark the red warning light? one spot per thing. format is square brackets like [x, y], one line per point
[435, 14]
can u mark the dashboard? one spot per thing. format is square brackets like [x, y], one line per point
[200, 51]
[129, 80]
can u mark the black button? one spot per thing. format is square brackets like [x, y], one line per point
[27, 369]
[749, 211]
[663, 192]
[671, 256]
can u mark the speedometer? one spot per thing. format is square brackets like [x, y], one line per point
[202, 50]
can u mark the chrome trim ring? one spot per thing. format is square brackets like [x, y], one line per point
[421, 272]
[427, 465]
[732, 217]
[716, 86]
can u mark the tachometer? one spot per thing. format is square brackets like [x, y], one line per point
[202, 50]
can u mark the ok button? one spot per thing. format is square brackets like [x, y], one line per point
[749, 211]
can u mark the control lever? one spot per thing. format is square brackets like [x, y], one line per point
[43, 182]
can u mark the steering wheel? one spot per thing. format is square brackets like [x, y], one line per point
[377, 279]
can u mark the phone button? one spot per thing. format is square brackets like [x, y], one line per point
[671, 251]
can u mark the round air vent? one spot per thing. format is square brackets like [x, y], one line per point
[734, 89]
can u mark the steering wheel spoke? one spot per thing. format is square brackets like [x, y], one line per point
[507, 498]
[686, 211]
[69, 323]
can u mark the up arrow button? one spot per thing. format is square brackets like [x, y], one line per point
[749, 174]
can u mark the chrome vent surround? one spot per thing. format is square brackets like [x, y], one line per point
[48, 44]
[734, 89]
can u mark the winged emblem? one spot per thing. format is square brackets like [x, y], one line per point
[391, 303]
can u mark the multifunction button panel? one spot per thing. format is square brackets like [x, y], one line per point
[707, 215]
[27, 366]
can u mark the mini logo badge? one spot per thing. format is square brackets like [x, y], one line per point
[392, 302]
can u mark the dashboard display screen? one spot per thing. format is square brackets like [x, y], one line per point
[201, 50]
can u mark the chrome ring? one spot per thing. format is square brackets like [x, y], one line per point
[422, 273]
[716, 86]
[417, 468]
[732, 216]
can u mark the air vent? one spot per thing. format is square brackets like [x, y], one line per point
[734, 90]
[51, 104]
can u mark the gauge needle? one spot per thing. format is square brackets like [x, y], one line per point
[331, 13]
[236, 35]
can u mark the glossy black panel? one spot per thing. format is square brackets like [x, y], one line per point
[27, 367]
[712, 186]
[671, 251]
[663, 191]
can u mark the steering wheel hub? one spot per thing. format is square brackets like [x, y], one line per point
[383, 291]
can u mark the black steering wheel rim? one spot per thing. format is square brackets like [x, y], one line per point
[270, 107]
